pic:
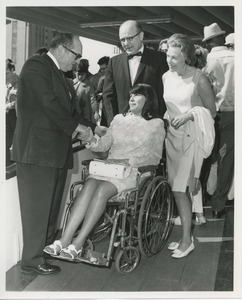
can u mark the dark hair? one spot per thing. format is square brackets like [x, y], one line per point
[186, 45]
[103, 60]
[40, 51]
[62, 38]
[10, 65]
[150, 108]
[81, 67]
[201, 54]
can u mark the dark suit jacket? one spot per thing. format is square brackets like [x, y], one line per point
[118, 83]
[46, 116]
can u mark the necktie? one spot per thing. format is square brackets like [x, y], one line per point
[136, 54]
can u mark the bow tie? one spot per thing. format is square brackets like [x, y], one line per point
[136, 54]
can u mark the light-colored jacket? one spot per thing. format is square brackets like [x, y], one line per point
[201, 134]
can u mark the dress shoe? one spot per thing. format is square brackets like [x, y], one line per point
[174, 245]
[218, 214]
[42, 269]
[180, 254]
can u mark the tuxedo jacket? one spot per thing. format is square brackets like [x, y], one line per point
[118, 83]
[46, 115]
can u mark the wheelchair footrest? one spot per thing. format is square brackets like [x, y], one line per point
[94, 258]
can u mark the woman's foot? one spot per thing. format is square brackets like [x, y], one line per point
[176, 221]
[70, 253]
[174, 245]
[53, 249]
[178, 253]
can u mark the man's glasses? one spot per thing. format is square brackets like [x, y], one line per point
[130, 38]
[77, 55]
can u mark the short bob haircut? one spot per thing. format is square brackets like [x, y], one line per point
[186, 45]
[150, 108]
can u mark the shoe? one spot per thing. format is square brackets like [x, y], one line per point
[174, 245]
[200, 220]
[70, 253]
[42, 269]
[218, 214]
[53, 249]
[180, 254]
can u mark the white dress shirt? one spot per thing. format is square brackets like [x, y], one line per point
[134, 65]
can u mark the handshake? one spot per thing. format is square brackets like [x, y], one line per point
[85, 134]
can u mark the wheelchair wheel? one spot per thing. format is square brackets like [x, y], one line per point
[127, 260]
[155, 216]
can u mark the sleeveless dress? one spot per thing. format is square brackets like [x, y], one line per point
[135, 139]
[180, 95]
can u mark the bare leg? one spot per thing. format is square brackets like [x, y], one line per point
[79, 210]
[104, 191]
[185, 211]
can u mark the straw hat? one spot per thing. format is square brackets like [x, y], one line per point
[211, 31]
[229, 39]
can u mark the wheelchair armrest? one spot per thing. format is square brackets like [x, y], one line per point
[86, 162]
[145, 169]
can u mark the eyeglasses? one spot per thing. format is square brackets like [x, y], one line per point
[77, 55]
[130, 38]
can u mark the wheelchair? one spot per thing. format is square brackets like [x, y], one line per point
[138, 221]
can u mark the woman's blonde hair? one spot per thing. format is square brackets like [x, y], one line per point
[186, 45]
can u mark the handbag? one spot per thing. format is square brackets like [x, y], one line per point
[111, 169]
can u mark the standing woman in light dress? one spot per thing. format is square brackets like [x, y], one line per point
[189, 99]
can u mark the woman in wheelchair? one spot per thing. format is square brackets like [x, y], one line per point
[135, 138]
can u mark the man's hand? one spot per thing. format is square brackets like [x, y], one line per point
[100, 130]
[86, 136]
[81, 128]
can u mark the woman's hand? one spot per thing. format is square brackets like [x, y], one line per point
[181, 120]
[100, 130]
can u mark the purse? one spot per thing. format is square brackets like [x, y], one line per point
[118, 170]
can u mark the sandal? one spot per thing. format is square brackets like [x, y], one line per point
[69, 253]
[53, 249]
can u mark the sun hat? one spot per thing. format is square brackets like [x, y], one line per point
[211, 31]
[229, 39]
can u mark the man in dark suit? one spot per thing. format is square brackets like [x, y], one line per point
[42, 146]
[137, 64]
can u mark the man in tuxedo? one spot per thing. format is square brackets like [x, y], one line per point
[42, 146]
[138, 64]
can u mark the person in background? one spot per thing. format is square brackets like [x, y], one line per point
[229, 41]
[10, 106]
[85, 62]
[163, 47]
[42, 145]
[135, 137]
[86, 103]
[137, 64]
[190, 109]
[220, 68]
[103, 63]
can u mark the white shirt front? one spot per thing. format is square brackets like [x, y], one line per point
[134, 65]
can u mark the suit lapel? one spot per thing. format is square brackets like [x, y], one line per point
[125, 64]
[60, 75]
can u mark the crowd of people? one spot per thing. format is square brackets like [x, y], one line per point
[121, 110]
